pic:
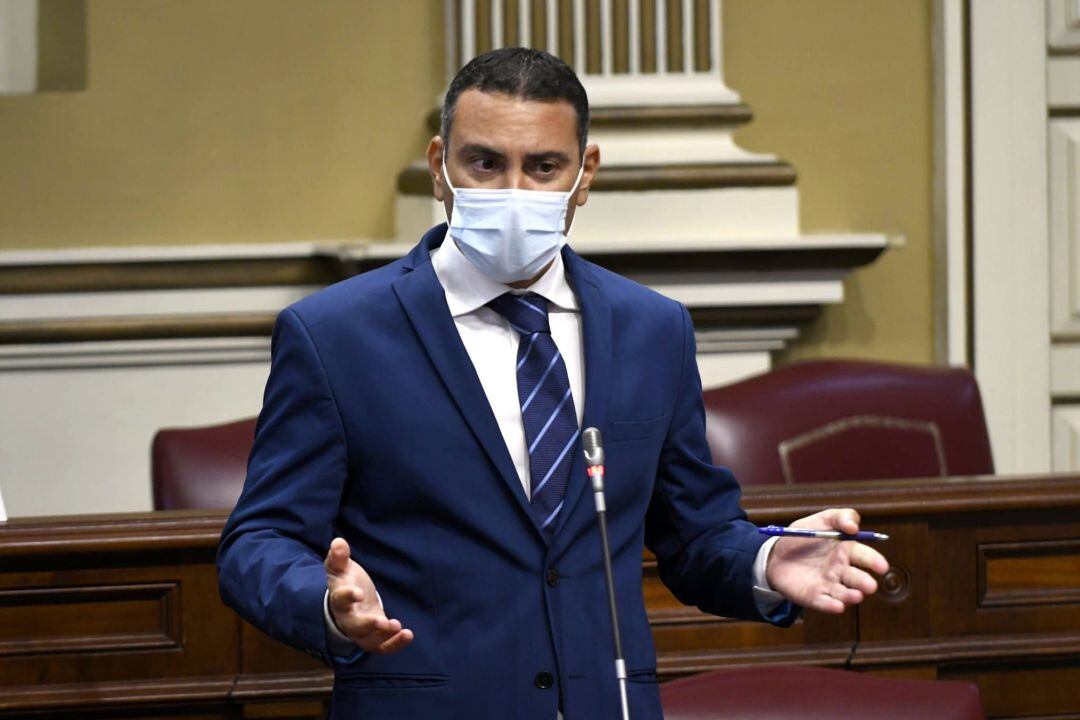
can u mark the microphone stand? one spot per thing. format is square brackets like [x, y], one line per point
[594, 459]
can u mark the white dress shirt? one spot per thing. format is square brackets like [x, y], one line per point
[492, 346]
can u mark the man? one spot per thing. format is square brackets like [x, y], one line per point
[416, 511]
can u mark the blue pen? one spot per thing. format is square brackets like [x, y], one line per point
[862, 535]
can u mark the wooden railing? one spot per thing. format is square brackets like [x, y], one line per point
[121, 613]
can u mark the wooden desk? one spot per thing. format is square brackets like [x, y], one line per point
[107, 614]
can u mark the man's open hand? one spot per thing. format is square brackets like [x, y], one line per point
[825, 575]
[355, 606]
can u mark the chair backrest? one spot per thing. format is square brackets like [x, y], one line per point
[834, 420]
[808, 693]
[201, 468]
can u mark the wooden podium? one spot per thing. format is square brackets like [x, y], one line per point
[119, 615]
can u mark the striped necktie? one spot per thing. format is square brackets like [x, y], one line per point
[547, 407]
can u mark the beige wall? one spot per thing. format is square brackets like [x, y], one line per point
[273, 120]
[218, 122]
[842, 89]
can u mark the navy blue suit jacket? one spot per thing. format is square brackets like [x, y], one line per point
[375, 427]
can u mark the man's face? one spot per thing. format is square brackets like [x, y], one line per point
[500, 141]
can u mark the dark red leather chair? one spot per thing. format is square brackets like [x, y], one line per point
[201, 468]
[807, 693]
[833, 420]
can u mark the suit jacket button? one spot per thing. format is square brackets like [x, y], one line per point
[552, 577]
[544, 680]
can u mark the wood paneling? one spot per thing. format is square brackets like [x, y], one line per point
[119, 616]
[1029, 573]
[43, 620]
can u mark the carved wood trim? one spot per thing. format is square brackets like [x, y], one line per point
[121, 532]
[958, 650]
[315, 684]
[915, 497]
[164, 595]
[690, 662]
[128, 692]
[1047, 565]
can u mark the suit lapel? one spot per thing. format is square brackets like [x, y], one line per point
[424, 301]
[596, 337]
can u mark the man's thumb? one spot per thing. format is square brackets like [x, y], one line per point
[337, 560]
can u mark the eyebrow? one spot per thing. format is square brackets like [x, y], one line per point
[548, 155]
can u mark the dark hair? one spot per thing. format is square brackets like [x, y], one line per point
[523, 73]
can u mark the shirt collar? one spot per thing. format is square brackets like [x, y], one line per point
[468, 288]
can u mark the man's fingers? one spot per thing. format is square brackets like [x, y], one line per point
[343, 598]
[845, 520]
[856, 579]
[868, 558]
[827, 604]
[379, 634]
[367, 625]
[847, 596]
[337, 559]
[399, 640]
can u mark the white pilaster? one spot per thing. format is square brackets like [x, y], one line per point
[1011, 314]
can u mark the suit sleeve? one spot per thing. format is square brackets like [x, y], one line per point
[270, 559]
[704, 545]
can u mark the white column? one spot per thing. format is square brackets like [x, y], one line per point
[688, 36]
[715, 43]
[608, 87]
[497, 40]
[661, 36]
[524, 23]
[468, 30]
[551, 15]
[579, 37]
[453, 61]
[634, 32]
[606, 37]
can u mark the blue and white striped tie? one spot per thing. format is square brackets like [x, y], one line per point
[547, 407]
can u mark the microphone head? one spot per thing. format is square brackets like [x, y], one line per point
[594, 447]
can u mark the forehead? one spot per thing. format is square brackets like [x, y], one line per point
[510, 123]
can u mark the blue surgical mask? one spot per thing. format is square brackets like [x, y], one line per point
[509, 234]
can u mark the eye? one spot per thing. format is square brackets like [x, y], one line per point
[483, 164]
[546, 168]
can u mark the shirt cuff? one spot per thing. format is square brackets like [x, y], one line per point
[766, 599]
[338, 642]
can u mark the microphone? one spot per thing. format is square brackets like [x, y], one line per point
[594, 460]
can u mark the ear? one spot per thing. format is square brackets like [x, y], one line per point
[435, 167]
[592, 164]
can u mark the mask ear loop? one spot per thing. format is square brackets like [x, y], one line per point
[446, 179]
[580, 174]
[446, 174]
[571, 195]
